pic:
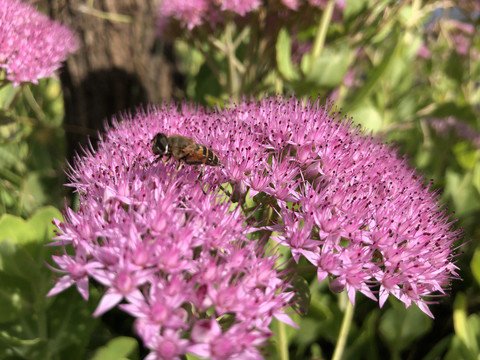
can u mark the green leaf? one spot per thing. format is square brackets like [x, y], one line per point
[15, 260]
[354, 7]
[400, 327]
[206, 83]
[459, 188]
[37, 229]
[54, 328]
[23, 275]
[192, 357]
[365, 341]
[461, 112]
[72, 324]
[120, 348]
[309, 329]
[466, 329]
[12, 341]
[438, 349]
[42, 220]
[284, 56]
[460, 317]
[375, 75]
[7, 94]
[11, 293]
[476, 176]
[329, 69]
[465, 155]
[367, 116]
[454, 67]
[15, 229]
[458, 350]
[302, 295]
[475, 265]
[398, 75]
[11, 130]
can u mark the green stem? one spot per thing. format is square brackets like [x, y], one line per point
[18, 91]
[41, 316]
[11, 177]
[230, 53]
[344, 330]
[251, 52]
[282, 346]
[33, 103]
[221, 46]
[209, 60]
[114, 17]
[322, 32]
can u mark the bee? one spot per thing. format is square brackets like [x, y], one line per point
[183, 149]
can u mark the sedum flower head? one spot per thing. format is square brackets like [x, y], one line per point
[31, 45]
[179, 255]
[169, 248]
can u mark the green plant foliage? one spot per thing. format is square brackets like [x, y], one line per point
[466, 342]
[31, 147]
[368, 60]
[119, 348]
[36, 327]
[400, 327]
[284, 54]
[328, 69]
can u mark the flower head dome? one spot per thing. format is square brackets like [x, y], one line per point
[31, 45]
[174, 252]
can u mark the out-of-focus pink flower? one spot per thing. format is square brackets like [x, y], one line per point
[190, 13]
[31, 45]
[338, 9]
[464, 27]
[462, 33]
[445, 126]
[424, 52]
[291, 4]
[240, 7]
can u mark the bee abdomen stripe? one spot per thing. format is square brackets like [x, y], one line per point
[205, 150]
[209, 154]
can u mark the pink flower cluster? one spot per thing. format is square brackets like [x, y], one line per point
[174, 248]
[31, 45]
[192, 13]
[169, 251]
[345, 202]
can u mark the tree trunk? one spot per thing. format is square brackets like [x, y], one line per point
[119, 65]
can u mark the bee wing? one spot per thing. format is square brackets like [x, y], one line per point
[191, 153]
[191, 149]
[194, 154]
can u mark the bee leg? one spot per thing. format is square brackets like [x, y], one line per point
[199, 178]
[225, 191]
[179, 166]
[202, 171]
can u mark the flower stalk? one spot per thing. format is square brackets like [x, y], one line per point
[344, 330]
[321, 34]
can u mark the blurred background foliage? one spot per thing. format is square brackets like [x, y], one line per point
[407, 71]
[32, 151]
